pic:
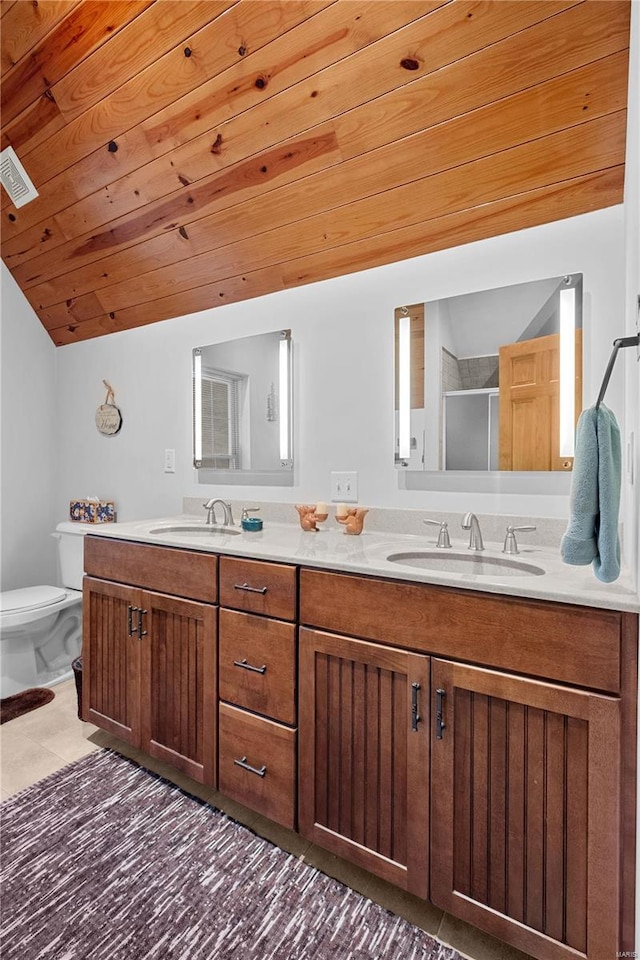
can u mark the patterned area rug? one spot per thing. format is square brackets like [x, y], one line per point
[106, 861]
[19, 703]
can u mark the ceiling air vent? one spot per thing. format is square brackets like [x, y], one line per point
[15, 178]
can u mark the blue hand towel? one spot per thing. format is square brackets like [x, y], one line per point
[592, 533]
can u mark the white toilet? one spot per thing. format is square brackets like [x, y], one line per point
[41, 627]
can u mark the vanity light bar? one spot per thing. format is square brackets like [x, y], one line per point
[567, 371]
[197, 406]
[404, 388]
[283, 397]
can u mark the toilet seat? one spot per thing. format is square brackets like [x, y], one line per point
[30, 598]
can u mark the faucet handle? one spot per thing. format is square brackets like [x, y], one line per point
[510, 543]
[443, 536]
[247, 510]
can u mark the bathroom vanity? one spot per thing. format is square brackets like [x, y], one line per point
[467, 739]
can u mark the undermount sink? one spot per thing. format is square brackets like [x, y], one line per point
[197, 529]
[473, 563]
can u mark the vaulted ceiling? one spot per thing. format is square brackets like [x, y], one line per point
[189, 154]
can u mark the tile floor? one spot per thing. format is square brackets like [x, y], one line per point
[47, 739]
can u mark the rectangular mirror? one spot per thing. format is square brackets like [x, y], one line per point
[242, 416]
[490, 381]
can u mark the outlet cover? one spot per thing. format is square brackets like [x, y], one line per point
[344, 487]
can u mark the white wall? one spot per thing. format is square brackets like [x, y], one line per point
[632, 288]
[342, 332]
[631, 356]
[29, 443]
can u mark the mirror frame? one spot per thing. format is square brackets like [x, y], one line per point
[282, 476]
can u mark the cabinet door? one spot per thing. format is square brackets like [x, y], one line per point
[178, 684]
[364, 755]
[525, 811]
[111, 658]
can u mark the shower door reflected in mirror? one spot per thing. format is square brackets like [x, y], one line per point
[491, 380]
[242, 422]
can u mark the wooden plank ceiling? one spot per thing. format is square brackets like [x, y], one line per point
[189, 154]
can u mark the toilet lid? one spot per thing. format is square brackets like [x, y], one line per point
[30, 598]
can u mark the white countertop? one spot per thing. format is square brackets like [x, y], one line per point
[332, 549]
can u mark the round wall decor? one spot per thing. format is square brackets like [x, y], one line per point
[108, 416]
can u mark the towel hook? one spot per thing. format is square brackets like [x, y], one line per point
[621, 342]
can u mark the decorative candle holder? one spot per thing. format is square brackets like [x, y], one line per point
[354, 520]
[309, 518]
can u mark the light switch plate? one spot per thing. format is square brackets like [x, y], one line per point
[344, 486]
[169, 461]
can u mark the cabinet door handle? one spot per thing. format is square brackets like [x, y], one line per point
[415, 716]
[141, 613]
[247, 666]
[131, 630]
[440, 724]
[242, 762]
[245, 586]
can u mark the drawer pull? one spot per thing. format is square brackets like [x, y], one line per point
[247, 766]
[440, 724]
[131, 630]
[415, 716]
[245, 586]
[248, 666]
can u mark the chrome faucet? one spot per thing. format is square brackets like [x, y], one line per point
[210, 507]
[443, 536]
[470, 522]
[510, 543]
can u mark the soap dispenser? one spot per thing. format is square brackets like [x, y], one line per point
[250, 523]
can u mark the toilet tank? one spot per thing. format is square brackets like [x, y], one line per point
[70, 537]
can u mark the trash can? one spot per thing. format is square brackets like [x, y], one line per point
[76, 666]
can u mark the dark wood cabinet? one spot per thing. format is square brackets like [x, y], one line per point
[532, 771]
[364, 755]
[258, 764]
[269, 589]
[178, 684]
[478, 750]
[257, 716]
[257, 665]
[150, 667]
[525, 810]
[111, 659]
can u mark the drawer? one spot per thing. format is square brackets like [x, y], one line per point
[257, 764]
[258, 587]
[184, 573]
[578, 645]
[257, 664]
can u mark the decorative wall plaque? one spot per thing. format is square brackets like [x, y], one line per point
[108, 416]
